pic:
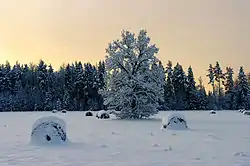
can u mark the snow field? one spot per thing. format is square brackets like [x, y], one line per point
[218, 140]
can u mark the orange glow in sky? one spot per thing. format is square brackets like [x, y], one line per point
[193, 32]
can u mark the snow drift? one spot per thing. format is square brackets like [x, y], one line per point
[212, 112]
[54, 111]
[175, 121]
[49, 130]
[88, 113]
[102, 114]
[64, 111]
[246, 112]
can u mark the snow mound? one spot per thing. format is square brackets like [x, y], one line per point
[88, 113]
[49, 130]
[102, 114]
[54, 111]
[212, 112]
[246, 112]
[175, 121]
[242, 110]
[64, 111]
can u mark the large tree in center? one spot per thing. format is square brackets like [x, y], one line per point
[134, 79]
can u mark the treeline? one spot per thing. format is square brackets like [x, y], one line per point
[40, 88]
[182, 92]
[76, 86]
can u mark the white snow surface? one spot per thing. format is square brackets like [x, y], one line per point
[45, 126]
[222, 140]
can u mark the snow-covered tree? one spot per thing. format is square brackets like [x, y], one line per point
[243, 90]
[58, 105]
[169, 96]
[131, 84]
[202, 96]
[158, 75]
[48, 101]
[192, 98]
[210, 75]
[42, 84]
[66, 101]
[219, 78]
[212, 95]
[179, 83]
[80, 86]
[230, 94]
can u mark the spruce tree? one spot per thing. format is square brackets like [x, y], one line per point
[230, 94]
[169, 93]
[219, 78]
[180, 83]
[243, 90]
[192, 97]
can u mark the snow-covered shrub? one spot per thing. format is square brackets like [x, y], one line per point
[242, 110]
[54, 111]
[175, 121]
[135, 77]
[212, 112]
[88, 113]
[64, 111]
[113, 112]
[246, 112]
[102, 115]
[49, 130]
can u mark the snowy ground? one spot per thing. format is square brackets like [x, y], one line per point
[213, 140]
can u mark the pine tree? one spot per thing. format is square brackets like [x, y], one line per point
[202, 96]
[158, 75]
[48, 106]
[101, 74]
[211, 76]
[7, 76]
[243, 90]
[212, 96]
[67, 101]
[132, 87]
[169, 95]
[58, 105]
[192, 97]
[180, 82]
[230, 95]
[219, 78]
[80, 87]
[42, 80]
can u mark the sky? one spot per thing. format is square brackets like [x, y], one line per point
[191, 32]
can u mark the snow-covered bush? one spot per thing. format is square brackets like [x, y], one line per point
[175, 121]
[246, 112]
[212, 112]
[242, 110]
[54, 111]
[114, 112]
[88, 113]
[49, 130]
[102, 115]
[64, 111]
[134, 77]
